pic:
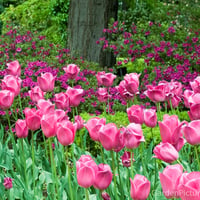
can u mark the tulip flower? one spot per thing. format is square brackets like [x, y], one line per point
[166, 152]
[140, 187]
[156, 93]
[111, 138]
[103, 177]
[85, 170]
[61, 115]
[132, 82]
[186, 96]
[71, 71]
[36, 94]
[66, 132]
[105, 79]
[150, 118]
[11, 83]
[79, 122]
[195, 84]
[45, 106]
[189, 186]
[62, 101]
[75, 96]
[102, 94]
[49, 124]
[8, 183]
[169, 179]
[191, 132]
[170, 131]
[133, 136]
[135, 114]
[33, 118]
[93, 126]
[194, 112]
[105, 196]
[125, 94]
[126, 158]
[46, 82]
[6, 99]
[13, 68]
[21, 128]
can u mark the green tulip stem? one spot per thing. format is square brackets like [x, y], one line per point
[20, 105]
[102, 154]
[114, 175]
[118, 171]
[87, 194]
[23, 161]
[73, 113]
[172, 109]
[158, 110]
[69, 174]
[197, 156]
[132, 167]
[11, 133]
[33, 160]
[45, 145]
[53, 167]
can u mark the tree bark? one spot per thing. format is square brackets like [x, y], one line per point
[87, 19]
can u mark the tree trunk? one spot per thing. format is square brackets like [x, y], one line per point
[87, 19]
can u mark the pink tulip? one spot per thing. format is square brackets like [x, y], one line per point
[132, 82]
[126, 158]
[111, 138]
[140, 187]
[194, 112]
[75, 96]
[166, 152]
[36, 94]
[133, 136]
[61, 115]
[66, 132]
[6, 99]
[49, 124]
[62, 101]
[85, 170]
[169, 179]
[194, 99]
[71, 71]
[189, 186]
[33, 118]
[46, 82]
[135, 114]
[45, 106]
[170, 131]
[21, 128]
[191, 132]
[156, 93]
[195, 85]
[11, 83]
[105, 79]
[93, 126]
[103, 177]
[102, 95]
[150, 118]
[186, 96]
[176, 88]
[79, 122]
[8, 183]
[124, 92]
[14, 68]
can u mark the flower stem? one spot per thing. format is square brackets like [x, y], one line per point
[114, 176]
[53, 167]
[23, 161]
[132, 170]
[69, 175]
[33, 161]
[196, 152]
[87, 194]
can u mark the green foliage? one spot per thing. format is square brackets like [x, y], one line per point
[34, 15]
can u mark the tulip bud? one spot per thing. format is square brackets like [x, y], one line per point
[46, 82]
[21, 128]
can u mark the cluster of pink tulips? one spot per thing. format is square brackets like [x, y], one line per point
[119, 144]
